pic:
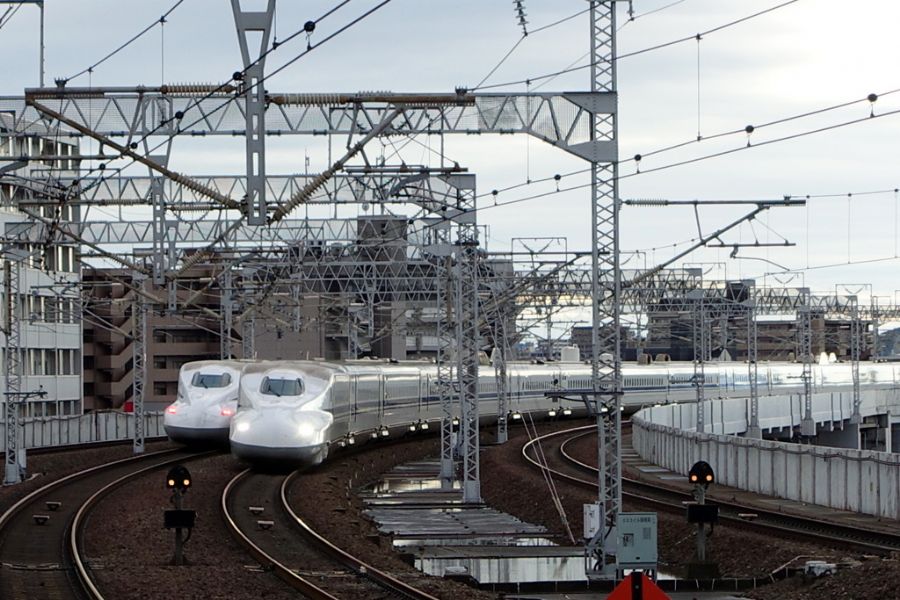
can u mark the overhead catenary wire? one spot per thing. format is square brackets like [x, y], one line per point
[9, 14]
[196, 102]
[160, 21]
[871, 98]
[655, 47]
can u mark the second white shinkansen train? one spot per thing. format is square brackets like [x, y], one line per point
[296, 410]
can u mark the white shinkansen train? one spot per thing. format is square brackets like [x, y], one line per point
[296, 410]
[207, 400]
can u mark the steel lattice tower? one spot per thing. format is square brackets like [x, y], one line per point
[13, 365]
[139, 369]
[605, 285]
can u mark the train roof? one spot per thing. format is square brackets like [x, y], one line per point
[232, 363]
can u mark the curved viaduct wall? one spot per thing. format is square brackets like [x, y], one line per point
[843, 478]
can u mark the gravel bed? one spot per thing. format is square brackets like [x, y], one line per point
[130, 551]
[46, 468]
[874, 579]
[757, 554]
[134, 548]
[333, 486]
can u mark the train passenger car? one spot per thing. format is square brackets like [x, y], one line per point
[296, 410]
[206, 401]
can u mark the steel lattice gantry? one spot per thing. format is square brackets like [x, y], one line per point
[561, 119]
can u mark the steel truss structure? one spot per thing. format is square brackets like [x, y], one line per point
[13, 368]
[561, 119]
[606, 376]
[139, 311]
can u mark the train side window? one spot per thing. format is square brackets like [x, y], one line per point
[281, 387]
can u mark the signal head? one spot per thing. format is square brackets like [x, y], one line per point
[178, 478]
[701, 473]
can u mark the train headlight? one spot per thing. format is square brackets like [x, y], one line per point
[567, 412]
[423, 426]
[412, 426]
[551, 413]
[171, 410]
[242, 427]
[306, 430]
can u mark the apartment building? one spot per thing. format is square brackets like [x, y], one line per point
[49, 295]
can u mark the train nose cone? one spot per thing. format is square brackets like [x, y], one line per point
[278, 436]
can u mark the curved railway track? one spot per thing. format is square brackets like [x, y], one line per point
[62, 448]
[41, 535]
[672, 500]
[257, 509]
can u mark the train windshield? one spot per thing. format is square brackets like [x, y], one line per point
[211, 380]
[281, 387]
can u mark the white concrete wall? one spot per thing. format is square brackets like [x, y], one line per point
[847, 479]
[91, 427]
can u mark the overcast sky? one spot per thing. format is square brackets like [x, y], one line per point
[804, 57]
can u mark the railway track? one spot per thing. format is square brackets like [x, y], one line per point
[41, 549]
[63, 448]
[735, 514]
[258, 512]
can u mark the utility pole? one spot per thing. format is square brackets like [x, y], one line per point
[139, 349]
[855, 351]
[700, 351]
[13, 365]
[249, 23]
[804, 350]
[753, 430]
[602, 547]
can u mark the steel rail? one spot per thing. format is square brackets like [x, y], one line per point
[360, 567]
[63, 448]
[8, 517]
[793, 526]
[79, 521]
[293, 579]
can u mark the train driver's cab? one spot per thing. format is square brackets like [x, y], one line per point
[280, 386]
[210, 381]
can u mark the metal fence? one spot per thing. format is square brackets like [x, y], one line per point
[83, 429]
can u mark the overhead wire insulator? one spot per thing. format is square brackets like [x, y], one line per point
[196, 89]
[647, 202]
[520, 13]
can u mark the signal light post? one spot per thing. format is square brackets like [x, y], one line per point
[179, 481]
[701, 513]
